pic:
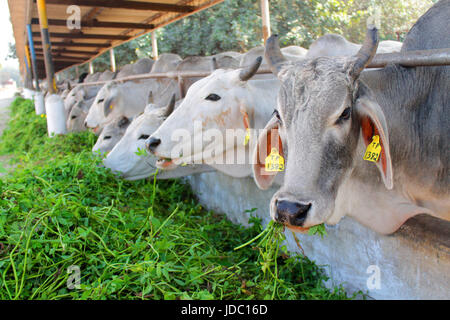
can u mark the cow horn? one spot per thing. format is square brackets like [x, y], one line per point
[273, 54]
[214, 63]
[366, 53]
[170, 107]
[250, 71]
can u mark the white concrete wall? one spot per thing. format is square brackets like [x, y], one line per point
[414, 263]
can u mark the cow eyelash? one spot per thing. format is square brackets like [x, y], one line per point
[144, 136]
[345, 115]
[212, 97]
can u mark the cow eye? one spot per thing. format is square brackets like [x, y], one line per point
[101, 100]
[73, 117]
[107, 138]
[144, 136]
[345, 115]
[213, 97]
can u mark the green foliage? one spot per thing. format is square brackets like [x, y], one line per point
[235, 25]
[143, 239]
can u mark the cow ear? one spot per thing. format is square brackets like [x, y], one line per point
[372, 123]
[108, 105]
[267, 140]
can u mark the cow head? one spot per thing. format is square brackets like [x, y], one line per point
[125, 157]
[326, 118]
[104, 105]
[111, 134]
[212, 106]
[77, 116]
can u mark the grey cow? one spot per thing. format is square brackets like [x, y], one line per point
[328, 114]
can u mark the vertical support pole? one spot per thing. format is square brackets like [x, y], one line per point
[154, 46]
[33, 57]
[77, 72]
[27, 78]
[49, 67]
[113, 60]
[265, 14]
[91, 68]
[29, 83]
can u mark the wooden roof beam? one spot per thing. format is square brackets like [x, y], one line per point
[64, 50]
[84, 36]
[122, 4]
[99, 24]
[72, 44]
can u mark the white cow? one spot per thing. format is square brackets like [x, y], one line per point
[334, 45]
[222, 101]
[292, 53]
[77, 116]
[126, 158]
[115, 100]
[111, 134]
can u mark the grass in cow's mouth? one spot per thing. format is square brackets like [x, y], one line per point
[147, 239]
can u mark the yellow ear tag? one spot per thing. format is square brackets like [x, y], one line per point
[111, 106]
[274, 161]
[247, 136]
[184, 164]
[373, 150]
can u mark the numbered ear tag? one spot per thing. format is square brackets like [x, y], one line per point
[274, 161]
[247, 137]
[373, 150]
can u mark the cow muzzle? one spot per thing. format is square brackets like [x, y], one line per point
[291, 213]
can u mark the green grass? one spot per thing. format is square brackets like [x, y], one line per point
[131, 240]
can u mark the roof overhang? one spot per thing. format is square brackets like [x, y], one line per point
[104, 25]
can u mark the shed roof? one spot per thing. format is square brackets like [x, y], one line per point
[105, 24]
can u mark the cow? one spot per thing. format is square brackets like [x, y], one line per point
[125, 158]
[225, 100]
[291, 53]
[334, 45]
[114, 100]
[330, 116]
[77, 116]
[143, 65]
[80, 93]
[111, 134]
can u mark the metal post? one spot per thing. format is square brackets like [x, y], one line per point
[154, 46]
[27, 80]
[46, 45]
[91, 68]
[33, 57]
[265, 19]
[113, 60]
[77, 72]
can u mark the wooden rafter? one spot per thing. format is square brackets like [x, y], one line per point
[120, 4]
[99, 24]
[72, 44]
[81, 35]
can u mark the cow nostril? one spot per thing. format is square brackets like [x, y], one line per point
[152, 143]
[294, 213]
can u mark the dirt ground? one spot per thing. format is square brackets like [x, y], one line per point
[6, 97]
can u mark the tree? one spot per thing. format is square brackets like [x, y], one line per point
[235, 25]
